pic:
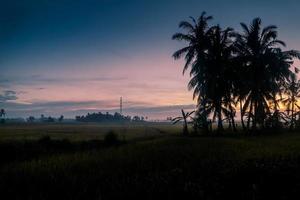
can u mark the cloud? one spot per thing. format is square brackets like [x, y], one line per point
[8, 95]
[54, 107]
[6, 81]
[160, 109]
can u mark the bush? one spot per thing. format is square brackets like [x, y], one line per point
[45, 139]
[111, 138]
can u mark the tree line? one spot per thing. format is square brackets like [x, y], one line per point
[247, 72]
[45, 119]
[107, 117]
[90, 117]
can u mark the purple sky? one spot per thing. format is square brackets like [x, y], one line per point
[71, 57]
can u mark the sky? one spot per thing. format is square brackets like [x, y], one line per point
[70, 57]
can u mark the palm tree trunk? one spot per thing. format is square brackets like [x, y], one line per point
[185, 128]
[220, 122]
[254, 116]
[292, 120]
[242, 116]
[233, 123]
[205, 123]
[231, 119]
[249, 116]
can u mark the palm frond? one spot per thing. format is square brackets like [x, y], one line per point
[186, 25]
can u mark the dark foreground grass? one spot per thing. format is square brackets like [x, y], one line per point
[164, 168]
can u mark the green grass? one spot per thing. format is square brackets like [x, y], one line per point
[166, 166]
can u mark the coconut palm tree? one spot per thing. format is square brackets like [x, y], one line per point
[239, 90]
[265, 68]
[208, 54]
[292, 90]
[213, 82]
[197, 38]
[184, 118]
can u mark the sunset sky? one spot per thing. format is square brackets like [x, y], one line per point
[71, 57]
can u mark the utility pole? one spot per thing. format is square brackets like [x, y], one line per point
[121, 105]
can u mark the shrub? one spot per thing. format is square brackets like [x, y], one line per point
[111, 138]
[45, 139]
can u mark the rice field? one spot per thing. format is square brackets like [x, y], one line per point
[84, 131]
[154, 162]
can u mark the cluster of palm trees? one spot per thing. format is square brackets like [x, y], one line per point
[246, 72]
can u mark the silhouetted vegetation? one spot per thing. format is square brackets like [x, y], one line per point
[30, 119]
[2, 116]
[185, 119]
[46, 119]
[111, 138]
[61, 118]
[230, 69]
[100, 117]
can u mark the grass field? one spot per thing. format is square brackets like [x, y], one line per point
[165, 165]
[84, 131]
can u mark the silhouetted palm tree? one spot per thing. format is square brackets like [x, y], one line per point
[197, 39]
[183, 118]
[209, 53]
[292, 90]
[215, 76]
[265, 68]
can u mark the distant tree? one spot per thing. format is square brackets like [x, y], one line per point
[117, 116]
[31, 119]
[128, 118]
[183, 118]
[61, 118]
[136, 119]
[42, 119]
[100, 117]
[78, 118]
[50, 119]
[2, 115]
